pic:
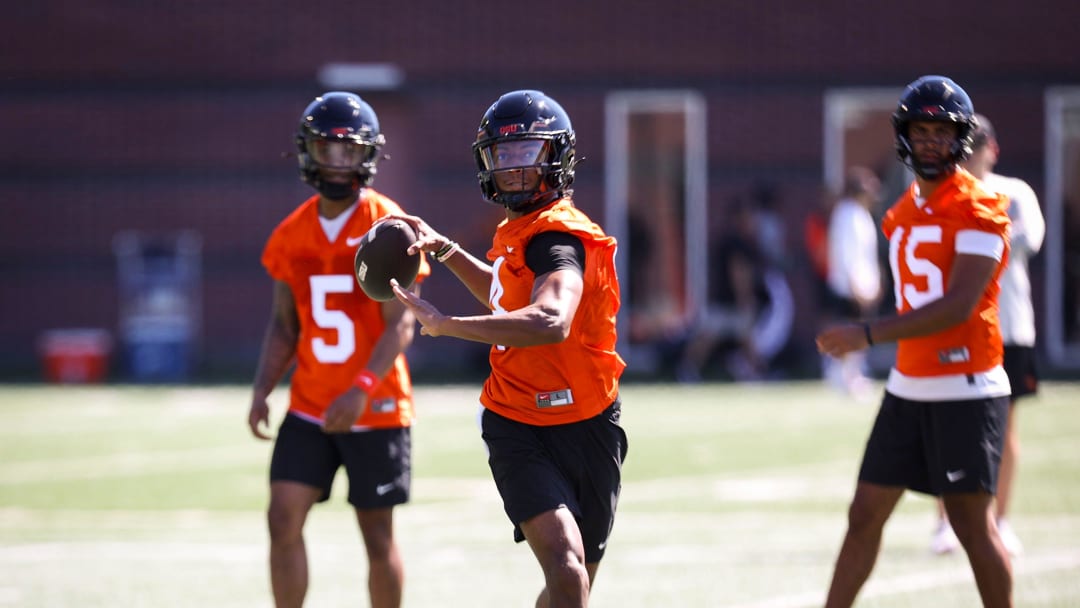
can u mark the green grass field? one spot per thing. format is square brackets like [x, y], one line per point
[734, 495]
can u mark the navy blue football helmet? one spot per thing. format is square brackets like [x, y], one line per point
[532, 117]
[934, 98]
[338, 143]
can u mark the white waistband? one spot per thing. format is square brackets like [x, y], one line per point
[956, 387]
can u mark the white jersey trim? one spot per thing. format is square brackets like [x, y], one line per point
[356, 428]
[332, 228]
[977, 242]
[954, 387]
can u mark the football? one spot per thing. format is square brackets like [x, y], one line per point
[381, 256]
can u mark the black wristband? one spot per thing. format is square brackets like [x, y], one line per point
[866, 331]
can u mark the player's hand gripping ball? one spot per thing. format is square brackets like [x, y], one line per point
[382, 256]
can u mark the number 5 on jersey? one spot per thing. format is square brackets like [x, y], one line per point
[930, 285]
[321, 285]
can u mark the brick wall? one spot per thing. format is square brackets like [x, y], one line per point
[122, 115]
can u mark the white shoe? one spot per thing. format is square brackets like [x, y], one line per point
[1009, 538]
[944, 540]
[861, 389]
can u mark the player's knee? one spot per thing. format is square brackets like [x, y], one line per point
[864, 517]
[969, 535]
[970, 529]
[562, 560]
[566, 575]
[283, 523]
[971, 520]
[377, 529]
[378, 547]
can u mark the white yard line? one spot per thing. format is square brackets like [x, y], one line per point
[127, 464]
[820, 480]
[924, 580]
[10, 596]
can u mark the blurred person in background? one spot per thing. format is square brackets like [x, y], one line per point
[854, 274]
[550, 407]
[815, 237]
[1017, 323]
[940, 429]
[770, 227]
[350, 399]
[749, 313]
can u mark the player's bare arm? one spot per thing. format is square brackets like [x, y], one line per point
[397, 337]
[473, 272]
[278, 350]
[970, 276]
[546, 320]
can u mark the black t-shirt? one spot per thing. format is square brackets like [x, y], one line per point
[550, 251]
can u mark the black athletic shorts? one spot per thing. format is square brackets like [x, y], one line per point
[541, 468]
[1022, 369]
[936, 447]
[377, 461]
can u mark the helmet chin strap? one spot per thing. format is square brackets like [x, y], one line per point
[928, 171]
[932, 171]
[337, 191]
[538, 200]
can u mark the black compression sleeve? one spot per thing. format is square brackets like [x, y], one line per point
[549, 251]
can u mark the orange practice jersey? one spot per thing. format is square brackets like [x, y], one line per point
[339, 324]
[960, 217]
[575, 379]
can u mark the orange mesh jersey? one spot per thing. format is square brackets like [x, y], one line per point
[960, 217]
[339, 325]
[577, 378]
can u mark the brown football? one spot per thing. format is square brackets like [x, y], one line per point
[381, 256]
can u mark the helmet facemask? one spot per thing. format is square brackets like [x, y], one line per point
[937, 168]
[338, 168]
[518, 170]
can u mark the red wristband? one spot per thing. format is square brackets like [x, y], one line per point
[366, 381]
